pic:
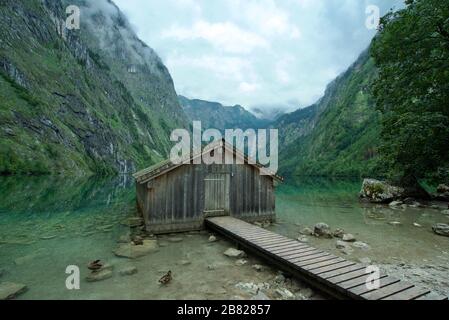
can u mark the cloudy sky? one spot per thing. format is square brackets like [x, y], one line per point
[254, 52]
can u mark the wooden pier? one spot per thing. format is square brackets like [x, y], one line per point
[333, 275]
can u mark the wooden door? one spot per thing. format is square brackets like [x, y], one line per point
[216, 194]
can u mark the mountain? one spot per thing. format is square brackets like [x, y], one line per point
[92, 100]
[268, 112]
[214, 115]
[337, 136]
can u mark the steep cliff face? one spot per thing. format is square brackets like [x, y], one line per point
[214, 115]
[95, 99]
[339, 135]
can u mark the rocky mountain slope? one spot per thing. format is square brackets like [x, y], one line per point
[214, 115]
[95, 99]
[337, 136]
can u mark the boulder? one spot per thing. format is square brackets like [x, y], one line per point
[303, 239]
[10, 290]
[234, 253]
[417, 225]
[379, 192]
[322, 230]
[348, 237]
[441, 229]
[132, 251]
[445, 212]
[128, 271]
[101, 275]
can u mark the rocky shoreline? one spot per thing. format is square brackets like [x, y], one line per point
[381, 192]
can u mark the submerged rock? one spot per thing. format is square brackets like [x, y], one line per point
[248, 287]
[128, 271]
[379, 192]
[348, 237]
[341, 245]
[441, 229]
[322, 230]
[234, 253]
[361, 245]
[338, 233]
[395, 204]
[394, 223]
[184, 262]
[307, 293]
[306, 232]
[284, 293]
[175, 239]
[101, 275]
[213, 238]
[258, 267]
[260, 296]
[417, 225]
[10, 290]
[303, 239]
[241, 262]
[133, 251]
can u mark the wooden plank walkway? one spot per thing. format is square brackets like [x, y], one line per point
[336, 276]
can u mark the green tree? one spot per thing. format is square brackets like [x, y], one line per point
[411, 52]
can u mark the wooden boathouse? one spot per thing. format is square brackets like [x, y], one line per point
[179, 197]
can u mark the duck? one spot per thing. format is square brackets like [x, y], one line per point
[166, 278]
[95, 265]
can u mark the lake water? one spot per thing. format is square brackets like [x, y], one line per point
[47, 224]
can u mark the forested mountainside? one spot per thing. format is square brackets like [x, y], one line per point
[338, 135]
[214, 115]
[95, 99]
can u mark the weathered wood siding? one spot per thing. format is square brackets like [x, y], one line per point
[176, 200]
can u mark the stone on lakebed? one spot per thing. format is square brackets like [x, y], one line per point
[10, 290]
[132, 251]
[234, 253]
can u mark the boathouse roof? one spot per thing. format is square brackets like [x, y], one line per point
[166, 166]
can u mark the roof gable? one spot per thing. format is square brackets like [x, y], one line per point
[167, 166]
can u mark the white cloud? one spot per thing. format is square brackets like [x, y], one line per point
[225, 36]
[246, 87]
[254, 52]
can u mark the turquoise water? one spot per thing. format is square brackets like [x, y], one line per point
[47, 224]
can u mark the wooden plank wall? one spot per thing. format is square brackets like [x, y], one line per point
[178, 197]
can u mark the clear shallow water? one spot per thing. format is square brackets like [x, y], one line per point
[47, 224]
